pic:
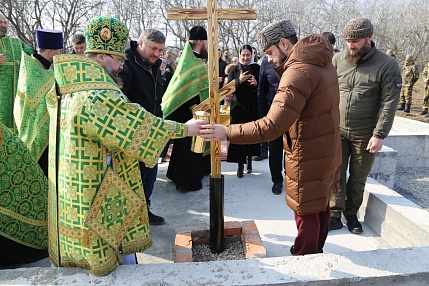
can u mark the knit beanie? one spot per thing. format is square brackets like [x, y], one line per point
[358, 28]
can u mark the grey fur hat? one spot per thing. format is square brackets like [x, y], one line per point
[358, 28]
[272, 33]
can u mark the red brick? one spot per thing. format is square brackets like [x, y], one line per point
[249, 229]
[232, 228]
[201, 233]
[252, 243]
[183, 240]
[183, 247]
[182, 256]
[253, 248]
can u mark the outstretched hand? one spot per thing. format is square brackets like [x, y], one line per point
[194, 126]
[214, 132]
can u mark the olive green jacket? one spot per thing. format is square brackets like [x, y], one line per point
[369, 92]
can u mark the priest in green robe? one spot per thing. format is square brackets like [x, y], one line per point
[188, 87]
[36, 79]
[97, 209]
[10, 58]
[23, 203]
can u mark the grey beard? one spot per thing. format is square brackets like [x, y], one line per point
[115, 77]
[118, 81]
[3, 32]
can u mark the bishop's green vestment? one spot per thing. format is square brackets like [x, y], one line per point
[9, 71]
[96, 209]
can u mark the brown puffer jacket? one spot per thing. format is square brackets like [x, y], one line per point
[306, 105]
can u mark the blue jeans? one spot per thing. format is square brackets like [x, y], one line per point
[148, 178]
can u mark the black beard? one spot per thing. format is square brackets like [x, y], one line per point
[354, 59]
[283, 59]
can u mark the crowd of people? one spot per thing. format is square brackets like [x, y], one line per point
[93, 124]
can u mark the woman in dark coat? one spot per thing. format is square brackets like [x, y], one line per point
[244, 107]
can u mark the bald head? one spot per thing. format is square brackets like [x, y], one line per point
[3, 25]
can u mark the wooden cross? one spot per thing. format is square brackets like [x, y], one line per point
[212, 14]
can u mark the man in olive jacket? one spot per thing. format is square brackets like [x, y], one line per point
[305, 111]
[370, 82]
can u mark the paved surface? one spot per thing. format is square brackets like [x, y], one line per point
[348, 259]
[248, 198]
[366, 259]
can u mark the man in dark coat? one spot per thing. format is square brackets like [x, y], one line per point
[267, 88]
[143, 84]
[222, 66]
[188, 87]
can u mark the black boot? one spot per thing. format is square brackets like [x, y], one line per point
[154, 219]
[424, 112]
[249, 164]
[240, 170]
[401, 106]
[407, 108]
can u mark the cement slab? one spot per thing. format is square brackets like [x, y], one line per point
[405, 126]
[366, 259]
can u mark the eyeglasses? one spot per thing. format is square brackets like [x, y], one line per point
[119, 61]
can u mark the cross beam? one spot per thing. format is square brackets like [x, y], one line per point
[212, 14]
[201, 14]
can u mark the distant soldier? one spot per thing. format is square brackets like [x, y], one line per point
[410, 74]
[426, 96]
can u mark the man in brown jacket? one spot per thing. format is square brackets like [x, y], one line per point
[305, 111]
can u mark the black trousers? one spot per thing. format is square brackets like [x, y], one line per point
[275, 158]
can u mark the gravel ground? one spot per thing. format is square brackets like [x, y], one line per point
[413, 184]
[233, 251]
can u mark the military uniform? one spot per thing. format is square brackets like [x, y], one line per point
[410, 74]
[426, 95]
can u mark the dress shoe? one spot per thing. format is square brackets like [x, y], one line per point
[424, 112]
[335, 223]
[277, 188]
[263, 155]
[154, 219]
[249, 164]
[292, 250]
[353, 224]
[240, 170]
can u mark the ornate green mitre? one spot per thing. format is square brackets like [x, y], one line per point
[106, 35]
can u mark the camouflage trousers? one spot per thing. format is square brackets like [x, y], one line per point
[426, 98]
[406, 93]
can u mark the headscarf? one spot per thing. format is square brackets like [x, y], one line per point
[249, 48]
